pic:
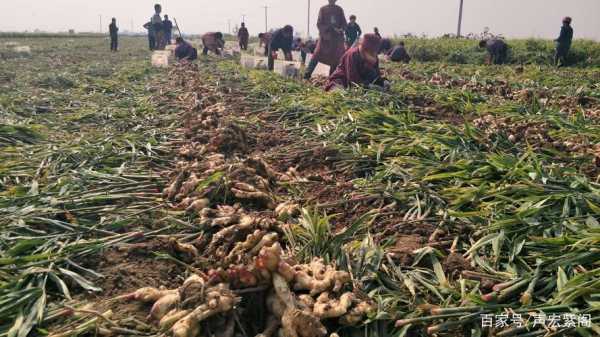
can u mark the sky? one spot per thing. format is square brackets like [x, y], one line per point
[511, 18]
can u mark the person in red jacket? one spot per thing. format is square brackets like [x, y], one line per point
[243, 36]
[358, 66]
[331, 46]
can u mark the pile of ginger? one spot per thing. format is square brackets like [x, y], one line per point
[299, 298]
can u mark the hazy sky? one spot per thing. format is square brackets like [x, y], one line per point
[512, 18]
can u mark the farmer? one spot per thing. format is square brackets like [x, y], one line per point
[386, 46]
[376, 32]
[264, 39]
[497, 50]
[281, 39]
[353, 32]
[114, 35]
[330, 48]
[168, 28]
[184, 50]
[359, 66]
[563, 43]
[243, 37]
[157, 28]
[399, 54]
[151, 35]
[213, 42]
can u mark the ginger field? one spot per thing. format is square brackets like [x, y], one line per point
[210, 200]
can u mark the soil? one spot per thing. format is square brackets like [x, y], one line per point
[454, 264]
[126, 270]
[405, 246]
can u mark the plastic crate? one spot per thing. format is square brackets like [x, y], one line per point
[261, 63]
[322, 70]
[247, 61]
[161, 58]
[22, 50]
[287, 68]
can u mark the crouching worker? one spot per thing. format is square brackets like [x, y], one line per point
[497, 50]
[184, 50]
[213, 42]
[281, 39]
[359, 66]
[399, 54]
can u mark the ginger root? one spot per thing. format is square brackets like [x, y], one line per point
[328, 308]
[357, 314]
[164, 305]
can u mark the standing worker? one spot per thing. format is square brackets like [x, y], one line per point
[376, 32]
[563, 43]
[330, 48]
[213, 42]
[114, 35]
[353, 32]
[151, 35]
[157, 28]
[497, 50]
[168, 28]
[281, 39]
[243, 37]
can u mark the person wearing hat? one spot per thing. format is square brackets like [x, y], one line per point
[563, 43]
[358, 66]
[281, 39]
[497, 50]
[331, 45]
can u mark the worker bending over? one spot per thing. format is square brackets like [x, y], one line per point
[213, 42]
[281, 39]
[184, 50]
[497, 50]
[359, 66]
